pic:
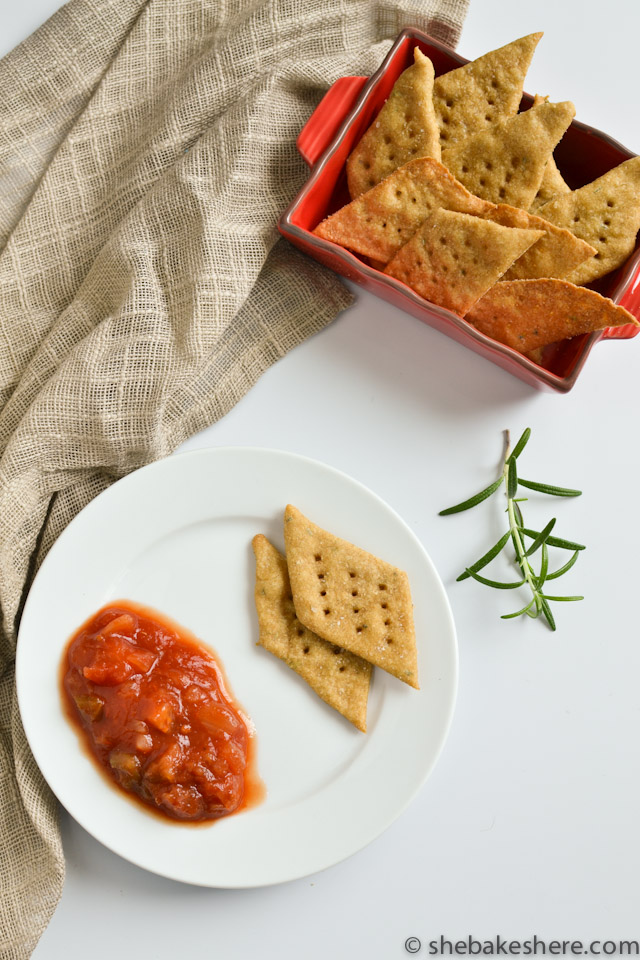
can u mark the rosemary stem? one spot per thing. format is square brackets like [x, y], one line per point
[517, 540]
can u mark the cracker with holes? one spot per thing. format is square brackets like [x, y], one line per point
[604, 213]
[405, 128]
[530, 314]
[552, 183]
[555, 254]
[454, 258]
[340, 678]
[505, 162]
[351, 598]
[382, 220]
[474, 96]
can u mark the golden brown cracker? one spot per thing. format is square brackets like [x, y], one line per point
[405, 128]
[454, 258]
[552, 183]
[474, 96]
[382, 220]
[505, 162]
[351, 598]
[555, 254]
[340, 678]
[529, 314]
[604, 213]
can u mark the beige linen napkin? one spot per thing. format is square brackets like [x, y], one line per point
[146, 151]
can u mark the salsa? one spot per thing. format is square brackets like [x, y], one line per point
[152, 705]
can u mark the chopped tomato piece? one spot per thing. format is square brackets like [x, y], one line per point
[218, 719]
[125, 622]
[167, 766]
[115, 659]
[106, 673]
[161, 716]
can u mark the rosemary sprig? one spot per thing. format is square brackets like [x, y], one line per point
[517, 533]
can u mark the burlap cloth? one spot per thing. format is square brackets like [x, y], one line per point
[146, 151]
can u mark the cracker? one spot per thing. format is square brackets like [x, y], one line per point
[529, 314]
[505, 162]
[351, 598]
[405, 128]
[454, 258]
[552, 183]
[382, 220]
[605, 213]
[340, 678]
[556, 253]
[377, 264]
[474, 96]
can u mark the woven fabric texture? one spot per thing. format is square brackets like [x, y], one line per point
[146, 152]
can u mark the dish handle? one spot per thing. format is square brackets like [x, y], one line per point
[323, 124]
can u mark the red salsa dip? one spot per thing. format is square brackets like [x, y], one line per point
[150, 703]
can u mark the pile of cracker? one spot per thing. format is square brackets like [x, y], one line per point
[331, 611]
[457, 195]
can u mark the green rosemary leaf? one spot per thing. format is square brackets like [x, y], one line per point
[518, 613]
[567, 566]
[520, 445]
[555, 541]
[518, 514]
[487, 557]
[512, 479]
[544, 567]
[493, 583]
[473, 501]
[541, 538]
[548, 488]
[546, 610]
[546, 597]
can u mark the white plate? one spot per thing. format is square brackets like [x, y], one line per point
[176, 536]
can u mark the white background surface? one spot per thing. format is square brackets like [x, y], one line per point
[529, 824]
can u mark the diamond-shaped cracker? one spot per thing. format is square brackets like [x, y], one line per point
[505, 162]
[405, 128]
[474, 96]
[528, 314]
[454, 258]
[552, 183]
[555, 254]
[382, 220]
[340, 678]
[605, 213]
[351, 598]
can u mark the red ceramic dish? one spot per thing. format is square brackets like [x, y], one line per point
[328, 138]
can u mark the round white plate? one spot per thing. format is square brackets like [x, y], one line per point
[176, 536]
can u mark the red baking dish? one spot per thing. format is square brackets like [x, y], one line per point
[328, 138]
